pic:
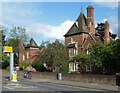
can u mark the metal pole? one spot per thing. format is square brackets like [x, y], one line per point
[11, 64]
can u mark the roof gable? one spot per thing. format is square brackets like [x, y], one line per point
[80, 25]
[32, 43]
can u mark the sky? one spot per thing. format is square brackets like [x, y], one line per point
[48, 21]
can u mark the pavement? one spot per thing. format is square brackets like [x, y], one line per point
[53, 86]
[79, 84]
[40, 80]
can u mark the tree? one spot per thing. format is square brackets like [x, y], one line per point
[38, 66]
[106, 55]
[83, 58]
[17, 34]
[5, 58]
[114, 58]
[54, 56]
[98, 51]
[100, 30]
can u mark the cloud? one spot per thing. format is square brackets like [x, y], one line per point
[105, 19]
[18, 13]
[113, 23]
[110, 4]
[50, 32]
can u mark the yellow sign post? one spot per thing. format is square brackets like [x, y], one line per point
[13, 76]
[8, 49]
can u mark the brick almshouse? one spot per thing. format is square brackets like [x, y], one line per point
[30, 52]
[81, 35]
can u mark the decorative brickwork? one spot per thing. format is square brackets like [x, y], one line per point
[106, 30]
[30, 52]
[83, 33]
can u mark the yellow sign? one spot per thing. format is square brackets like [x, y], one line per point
[8, 49]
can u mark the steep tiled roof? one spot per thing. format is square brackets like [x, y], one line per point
[97, 38]
[80, 25]
[32, 43]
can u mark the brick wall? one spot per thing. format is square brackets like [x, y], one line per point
[32, 55]
[86, 78]
[100, 79]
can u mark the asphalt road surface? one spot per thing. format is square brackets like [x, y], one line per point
[27, 86]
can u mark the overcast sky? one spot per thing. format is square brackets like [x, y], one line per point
[51, 20]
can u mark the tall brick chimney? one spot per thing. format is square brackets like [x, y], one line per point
[21, 52]
[90, 19]
[56, 41]
[106, 32]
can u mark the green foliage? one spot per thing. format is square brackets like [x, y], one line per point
[81, 58]
[100, 30]
[64, 70]
[19, 33]
[101, 55]
[24, 65]
[55, 55]
[20, 68]
[5, 60]
[8, 68]
[106, 55]
[38, 66]
[15, 35]
[97, 53]
[84, 58]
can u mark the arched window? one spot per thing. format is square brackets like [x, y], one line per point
[88, 52]
[23, 57]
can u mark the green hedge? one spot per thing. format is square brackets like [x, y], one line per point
[20, 68]
[8, 68]
[64, 70]
[38, 66]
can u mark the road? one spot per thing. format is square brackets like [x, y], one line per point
[24, 85]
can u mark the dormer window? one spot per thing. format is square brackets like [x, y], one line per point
[77, 23]
[73, 39]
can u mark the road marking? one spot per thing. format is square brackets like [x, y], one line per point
[77, 87]
[8, 87]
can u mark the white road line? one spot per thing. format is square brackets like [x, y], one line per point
[8, 87]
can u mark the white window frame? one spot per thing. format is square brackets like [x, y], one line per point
[71, 52]
[71, 67]
[27, 55]
[75, 51]
[23, 57]
[89, 68]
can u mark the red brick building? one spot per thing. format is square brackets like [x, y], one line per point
[29, 53]
[82, 34]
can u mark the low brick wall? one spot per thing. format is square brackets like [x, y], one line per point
[100, 79]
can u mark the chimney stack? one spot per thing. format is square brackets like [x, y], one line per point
[106, 32]
[21, 52]
[90, 14]
[90, 19]
[56, 41]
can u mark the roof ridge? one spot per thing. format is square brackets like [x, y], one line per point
[92, 37]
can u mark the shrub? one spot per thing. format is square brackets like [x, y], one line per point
[24, 65]
[5, 65]
[8, 68]
[20, 68]
[64, 70]
[38, 66]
